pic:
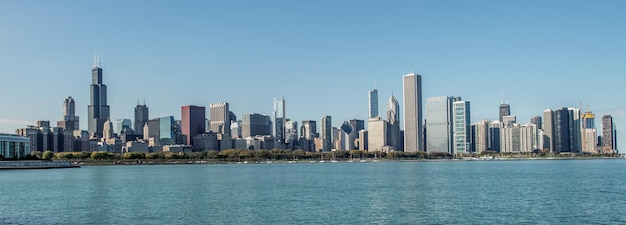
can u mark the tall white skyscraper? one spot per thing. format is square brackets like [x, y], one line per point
[393, 117]
[413, 127]
[461, 125]
[279, 121]
[373, 103]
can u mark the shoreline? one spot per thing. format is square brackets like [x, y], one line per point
[214, 162]
[36, 164]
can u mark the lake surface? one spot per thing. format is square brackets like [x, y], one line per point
[454, 192]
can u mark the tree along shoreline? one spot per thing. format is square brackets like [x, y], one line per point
[286, 156]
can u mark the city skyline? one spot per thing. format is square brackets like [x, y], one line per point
[522, 65]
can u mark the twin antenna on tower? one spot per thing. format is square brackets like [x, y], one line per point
[504, 94]
[96, 60]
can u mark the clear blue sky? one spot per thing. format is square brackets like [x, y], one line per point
[323, 56]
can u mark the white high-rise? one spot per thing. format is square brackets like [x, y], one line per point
[413, 125]
[279, 121]
[461, 125]
[393, 117]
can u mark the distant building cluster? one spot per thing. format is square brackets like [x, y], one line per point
[446, 128]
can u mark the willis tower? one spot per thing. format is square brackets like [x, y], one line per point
[98, 109]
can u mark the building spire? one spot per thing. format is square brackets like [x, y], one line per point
[95, 60]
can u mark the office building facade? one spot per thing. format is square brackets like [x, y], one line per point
[141, 118]
[413, 122]
[192, 122]
[70, 120]
[373, 103]
[98, 109]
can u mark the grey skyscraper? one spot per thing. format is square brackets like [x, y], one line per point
[548, 129]
[279, 120]
[326, 129]
[393, 117]
[98, 110]
[505, 110]
[413, 127]
[537, 121]
[255, 124]
[373, 103]
[608, 134]
[220, 118]
[439, 122]
[70, 120]
[123, 124]
[141, 118]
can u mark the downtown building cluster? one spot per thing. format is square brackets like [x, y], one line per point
[446, 128]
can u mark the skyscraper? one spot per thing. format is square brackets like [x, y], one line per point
[439, 122]
[413, 127]
[608, 134]
[508, 120]
[393, 118]
[373, 103]
[494, 136]
[255, 124]
[377, 133]
[461, 112]
[481, 136]
[589, 132]
[505, 110]
[279, 120]
[220, 118]
[548, 130]
[70, 120]
[123, 124]
[308, 132]
[326, 129]
[98, 110]
[567, 135]
[141, 118]
[537, 121]
[193, 118]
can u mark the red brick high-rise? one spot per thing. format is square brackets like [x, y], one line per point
[193, 121]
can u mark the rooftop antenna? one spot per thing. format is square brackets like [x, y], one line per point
[507, 96]
[137, 101]
[144, 101]
[98, 60]
[94, 60]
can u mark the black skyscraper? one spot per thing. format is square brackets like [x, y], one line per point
[141, 118]
[98, 109]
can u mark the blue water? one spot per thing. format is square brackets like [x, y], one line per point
[459, 192]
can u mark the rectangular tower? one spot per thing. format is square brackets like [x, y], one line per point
[373, 103]
[607, 134]
[326, 133]
[413, 127]
[279, 121]
[439, 121]
[461, 112]
[192, 122]
[98, 110]
[220, 118]
[141, 118]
